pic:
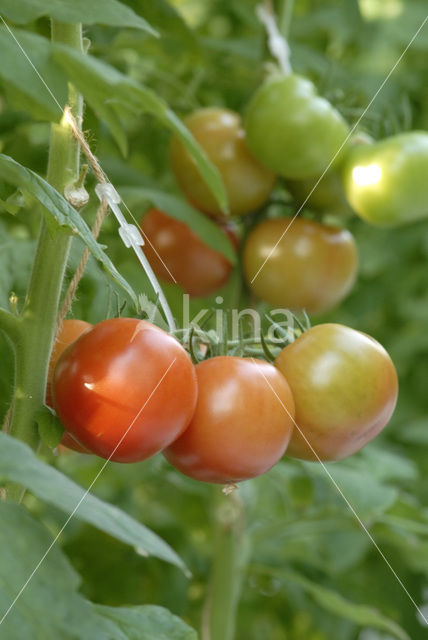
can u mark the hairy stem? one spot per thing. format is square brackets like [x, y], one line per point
[38, 318]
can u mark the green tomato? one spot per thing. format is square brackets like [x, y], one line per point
[327, 196]
[386, 182]
[291, 129]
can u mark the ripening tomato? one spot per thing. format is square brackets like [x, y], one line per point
[69, 332]
[292, 130]
[345, 389]
[125, 390]
[220, 134]
[311, 266]
[175, 251]
[242, 423]
[386, 182]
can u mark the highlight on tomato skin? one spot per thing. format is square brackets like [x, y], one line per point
[220, 133]
[345, 389]
[242, 423]
[125, 376]
[177, 254]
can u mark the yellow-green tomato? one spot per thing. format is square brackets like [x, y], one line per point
[220, 133]
[292, 130]
[345, 389]
[300, 264]
[386, 183]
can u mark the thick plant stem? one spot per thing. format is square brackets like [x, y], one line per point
[38, 318]
[227, 568]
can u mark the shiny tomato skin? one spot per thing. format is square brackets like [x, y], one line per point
[292, 130]
[345, 389]
[312, 267]
[125, 372]
[242, 423]
[386, 182]
[220, 134]
[70, 330]
[175, 251]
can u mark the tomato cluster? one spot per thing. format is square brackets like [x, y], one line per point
[126, 390]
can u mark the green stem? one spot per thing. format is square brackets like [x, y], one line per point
[38, 318]
[227, 568]
[285, 14]
[10, 324]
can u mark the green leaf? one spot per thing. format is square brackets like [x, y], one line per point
[178, 208]
[108, 12]
[61, 211]
[335, 603]
[106, 88]
[50, 428]
[50, 607]
[19, 464]
[25, 86]
[148, 623]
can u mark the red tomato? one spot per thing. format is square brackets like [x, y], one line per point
[222, 137]
[126, 378]
[173, 249]
[309, 265]
[345, 389]
[69, 332]
[240, 428]
[68, 442]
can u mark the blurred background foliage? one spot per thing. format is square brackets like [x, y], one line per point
[311, 571]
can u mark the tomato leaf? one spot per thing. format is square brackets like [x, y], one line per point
[108, 12]
[148, 623]
[106, 88]
[60, 211]
[25, 89]
[178, 208]
[19, 464]
[50, 606]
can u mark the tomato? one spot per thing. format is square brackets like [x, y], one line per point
[220, 134]
[312, 267]
[291, 129]
[68, 442]
[328, 196]
[69, 332]
[173, 249]
[125, 374]
[345, 389]
[240, 428]
[386, 182]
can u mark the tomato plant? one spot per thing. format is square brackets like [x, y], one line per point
[345, 389]
[220, 133]
[326, 196]
[311, 266]
[177, 254]
[291, 129]
[125, 374]
[242, 423]
[386, 182]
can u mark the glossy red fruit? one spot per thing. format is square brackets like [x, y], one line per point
[176, 252]
[125, 390]
[242, 423]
